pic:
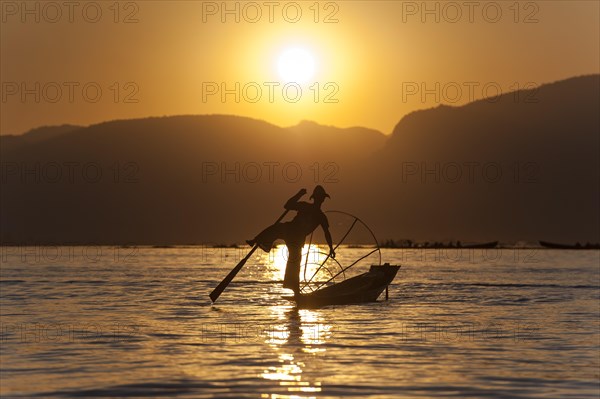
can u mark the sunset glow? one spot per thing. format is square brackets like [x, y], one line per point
[296, 65]
[300, 199]
[368, 52]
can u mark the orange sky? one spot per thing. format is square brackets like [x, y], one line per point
[372, 59]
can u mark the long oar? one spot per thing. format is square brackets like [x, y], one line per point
[214, 295]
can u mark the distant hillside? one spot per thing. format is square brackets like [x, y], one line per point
[182, 179]
[506, 170]
[11, 142]
[543, 143]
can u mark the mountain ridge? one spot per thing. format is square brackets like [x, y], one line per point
[218, 178]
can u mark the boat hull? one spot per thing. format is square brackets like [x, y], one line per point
[366, 287]
[485, 245]
[552, 245]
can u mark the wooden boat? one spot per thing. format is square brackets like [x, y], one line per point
[485, 245]
[553, 245]
[366, 287]
[436, 245]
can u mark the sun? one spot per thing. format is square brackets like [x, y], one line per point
[296, 65]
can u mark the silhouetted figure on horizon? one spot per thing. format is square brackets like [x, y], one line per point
[294, 233]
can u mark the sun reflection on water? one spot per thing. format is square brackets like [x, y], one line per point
[312, 256]
[298, 338]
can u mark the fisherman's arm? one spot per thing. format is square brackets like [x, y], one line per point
[292, 203]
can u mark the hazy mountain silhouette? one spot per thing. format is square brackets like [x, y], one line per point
[160, 194]
[544, 142]
[11, 142]
[155, 188]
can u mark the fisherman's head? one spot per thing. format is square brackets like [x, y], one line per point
[319, 195]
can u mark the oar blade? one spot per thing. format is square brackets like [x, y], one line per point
[214, 295]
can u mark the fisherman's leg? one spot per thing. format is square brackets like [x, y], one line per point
[267, 237]
[292, 269]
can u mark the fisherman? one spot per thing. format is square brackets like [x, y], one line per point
[308, 218]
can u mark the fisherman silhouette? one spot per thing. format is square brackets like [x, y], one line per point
[294, 233]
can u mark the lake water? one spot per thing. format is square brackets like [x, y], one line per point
[126, 322]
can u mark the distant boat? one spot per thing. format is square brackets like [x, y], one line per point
[366, 287]
[553, 245]
[436, 245]
[491, 244]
